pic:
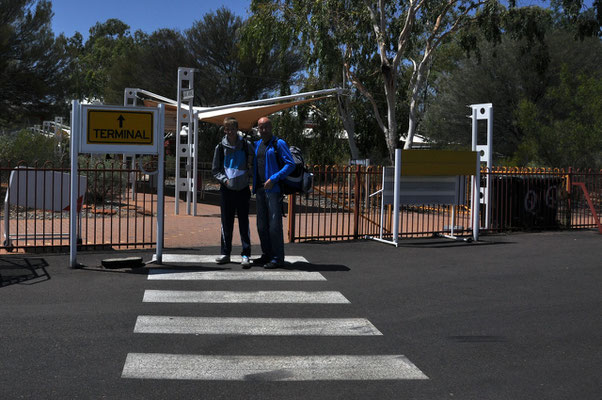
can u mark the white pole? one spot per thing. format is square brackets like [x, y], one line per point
[195, 164]
[396, 196]
[476, 201]
[160, 183]
[75, 135]
[489, 165]
[6, 221]
[476, 187]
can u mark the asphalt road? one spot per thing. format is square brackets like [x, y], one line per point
[511, 317]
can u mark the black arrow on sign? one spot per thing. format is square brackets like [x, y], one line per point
[121, 119]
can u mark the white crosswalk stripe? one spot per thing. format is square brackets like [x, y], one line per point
[261, 367]
[256, 326]
[176, 275]
[227, 296]
[269, 368]
[210, 259]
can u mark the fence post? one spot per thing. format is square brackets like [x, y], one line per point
[569, 188]
[356, 204]
[291, 217]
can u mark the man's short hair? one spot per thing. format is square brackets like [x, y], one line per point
[230, 122]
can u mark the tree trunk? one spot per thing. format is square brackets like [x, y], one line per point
[348, 124]
[391, 130]
[413, 117]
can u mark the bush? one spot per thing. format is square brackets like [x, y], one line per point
[31, 149]
[107, 178]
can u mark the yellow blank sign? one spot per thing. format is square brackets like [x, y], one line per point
[438, 163]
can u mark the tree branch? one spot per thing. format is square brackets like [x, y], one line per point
[368, 95]
[402, 41]
[379, 29]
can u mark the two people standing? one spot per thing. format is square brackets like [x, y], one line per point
[272, 162]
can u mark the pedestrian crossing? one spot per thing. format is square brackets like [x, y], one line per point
[169, 275]
[256, 297]
[258, 367]
[256, 326]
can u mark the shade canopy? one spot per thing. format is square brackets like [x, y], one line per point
[246, 116]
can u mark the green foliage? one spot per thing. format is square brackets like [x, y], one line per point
[227, 73]
[565, 128]
[32, 63]
[29, 149]
[506, 74]
[108, 43]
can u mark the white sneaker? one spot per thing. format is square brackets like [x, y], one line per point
[245, 262]
[222, 259]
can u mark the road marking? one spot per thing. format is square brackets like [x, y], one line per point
[195, 258]
[269, 368]
[173, 275]
[276, 296]
[256, 326]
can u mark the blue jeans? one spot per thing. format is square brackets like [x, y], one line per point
[269, 225]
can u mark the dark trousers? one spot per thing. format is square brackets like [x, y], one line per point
[235, 203]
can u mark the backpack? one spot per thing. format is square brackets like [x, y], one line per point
[298, 181]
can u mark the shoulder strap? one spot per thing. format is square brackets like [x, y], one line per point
[245, 148]
[221, 154]
[278, 158]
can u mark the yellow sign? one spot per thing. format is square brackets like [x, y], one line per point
[120, 127]
[438, 163]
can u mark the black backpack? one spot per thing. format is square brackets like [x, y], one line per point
[298, 181]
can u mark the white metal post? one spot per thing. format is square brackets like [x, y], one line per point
[160, 184]
[75, 135]
[184, 118]
[195, 164]
[396, 196]
[476, 203]
[489, 166]
[6, 221]
[485, 152]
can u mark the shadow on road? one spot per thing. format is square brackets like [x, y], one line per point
[22, 270]
[309, 267]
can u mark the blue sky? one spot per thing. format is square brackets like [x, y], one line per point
[148, 15]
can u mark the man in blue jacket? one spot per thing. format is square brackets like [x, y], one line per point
[270, 167]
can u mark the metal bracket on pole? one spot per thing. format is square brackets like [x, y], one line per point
[184, 119]
[129, 97]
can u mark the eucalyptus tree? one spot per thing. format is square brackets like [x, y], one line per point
[388, 39]
[368, 38]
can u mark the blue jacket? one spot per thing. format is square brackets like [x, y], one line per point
[272, 169]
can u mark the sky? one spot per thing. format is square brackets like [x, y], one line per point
[147, 15]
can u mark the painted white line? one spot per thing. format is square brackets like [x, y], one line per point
[196, 258]
[176, 275]
[256, 326]
[276, 296]
[269, 368]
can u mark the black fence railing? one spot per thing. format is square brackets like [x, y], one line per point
[343, 205]
[119, 203]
